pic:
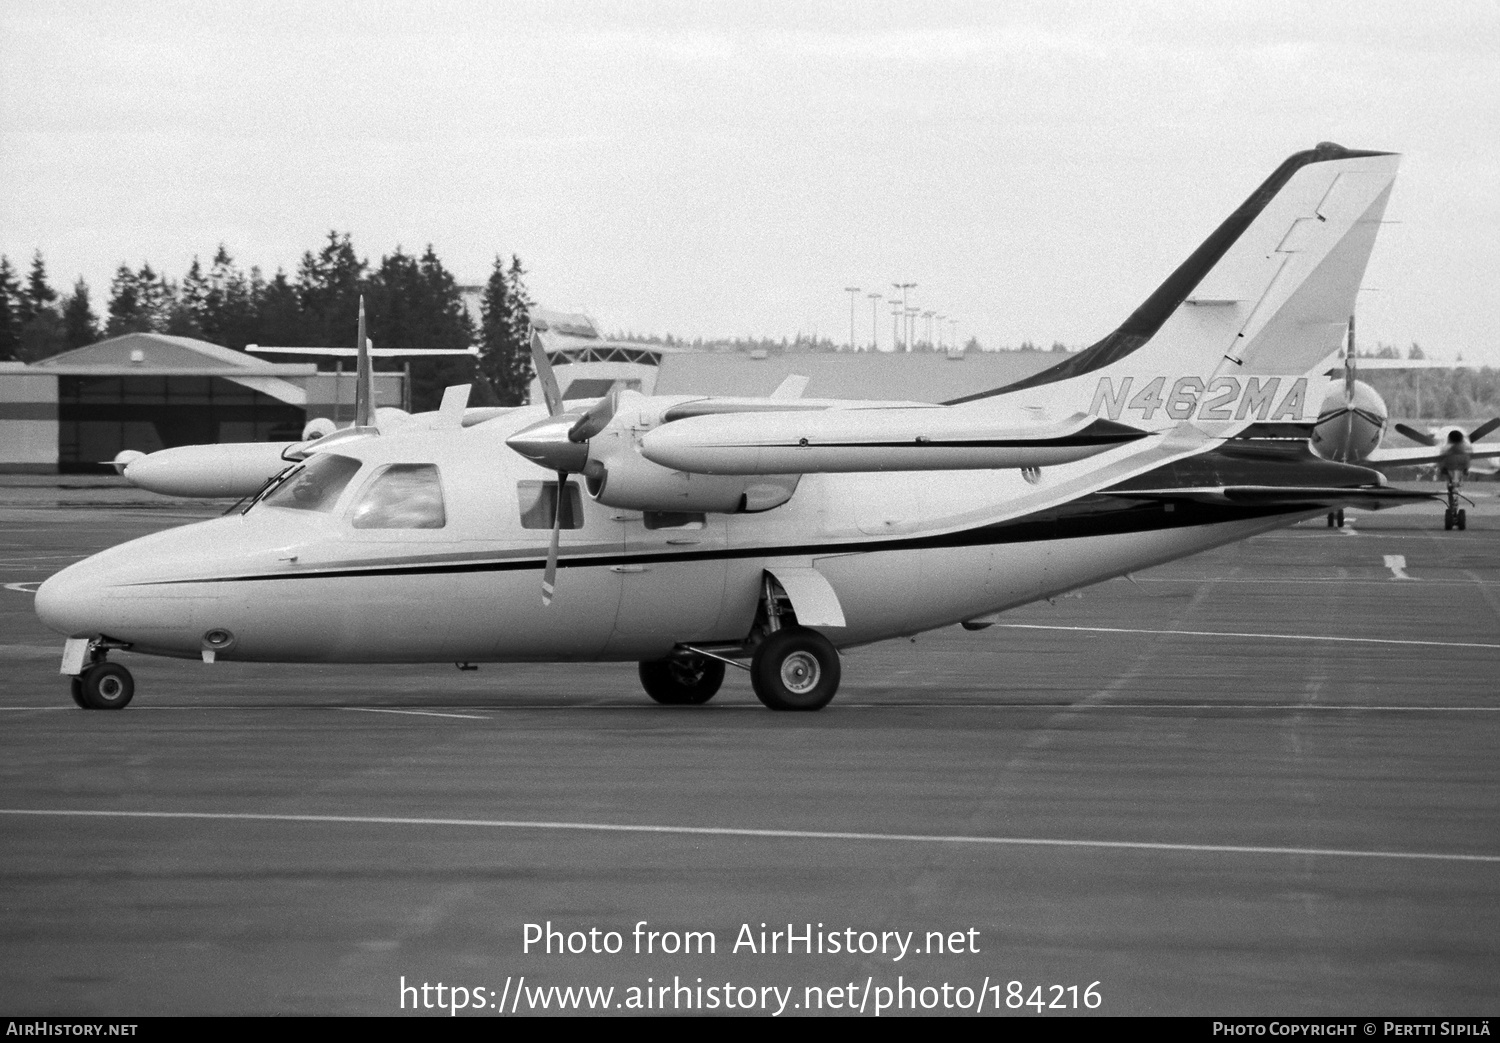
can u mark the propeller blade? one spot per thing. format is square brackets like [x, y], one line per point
[549, 576]
[544, 373]
[598, 416]
[1417, 436]
[1484, 429]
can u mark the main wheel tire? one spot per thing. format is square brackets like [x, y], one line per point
[1341, 517]
[1463, 519]
[1447, 520]
[1330, 519]
[77, 689]
[107, 686]
[795, 669]
[687, 681]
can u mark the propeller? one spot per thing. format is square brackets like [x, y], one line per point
[1417, 436]
[561, 444]
[1484, 429]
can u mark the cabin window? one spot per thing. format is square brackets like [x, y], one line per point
[401, 496]
[316, 485]
[538, 500]
[672, 520]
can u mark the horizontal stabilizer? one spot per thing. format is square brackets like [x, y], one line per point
[1371, 498]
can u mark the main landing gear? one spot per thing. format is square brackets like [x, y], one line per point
[792, 667]
[1336, 518]
[682, 680]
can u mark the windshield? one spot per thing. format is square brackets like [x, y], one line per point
[316, 485]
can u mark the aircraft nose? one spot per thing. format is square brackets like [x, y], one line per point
[71, 602]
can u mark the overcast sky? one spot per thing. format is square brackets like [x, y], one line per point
[703, 169]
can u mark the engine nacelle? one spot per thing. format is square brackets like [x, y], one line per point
[317, 427]
[617, 475]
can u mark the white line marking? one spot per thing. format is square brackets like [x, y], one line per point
[414, 713]
[1274, 637]
[1397, 564]
[727, 707]
[771, 834]
[29, 587]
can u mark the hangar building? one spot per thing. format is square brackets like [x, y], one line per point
[73, 412]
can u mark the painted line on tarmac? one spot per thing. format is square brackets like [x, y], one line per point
[1272, 637]
[414, 713]
[763, 834]
[635, 707]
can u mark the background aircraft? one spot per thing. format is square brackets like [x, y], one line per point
[767, 534]
[1352, 423]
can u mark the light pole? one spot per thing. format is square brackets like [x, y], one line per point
[874, 336]
[953, 332]
[940, 320]
[928, 316]
[852, 291]
[911, 325]
[895, 325]
[903, 287]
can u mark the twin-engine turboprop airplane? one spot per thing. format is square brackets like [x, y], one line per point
[688, 534]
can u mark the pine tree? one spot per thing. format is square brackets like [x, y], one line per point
[10, 302]
[328, 288]
[38, 296]
[80, 325]
[279, 317]
[414, 303]
[126, 310]
[504, 354]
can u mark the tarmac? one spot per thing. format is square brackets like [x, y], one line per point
[1260, 781]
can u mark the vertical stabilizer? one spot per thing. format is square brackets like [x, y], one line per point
[364, 377]
[1235, 333]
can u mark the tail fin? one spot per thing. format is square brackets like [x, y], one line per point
[364, 378]
[1258, 306]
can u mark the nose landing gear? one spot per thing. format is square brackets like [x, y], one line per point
[97, 684]
[1455, 517]
[104, 686]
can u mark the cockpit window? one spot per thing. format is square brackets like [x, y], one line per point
[401, 496]
[316, 485]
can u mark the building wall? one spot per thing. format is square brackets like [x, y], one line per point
[28, 423]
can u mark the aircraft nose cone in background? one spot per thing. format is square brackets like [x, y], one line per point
[229, 469]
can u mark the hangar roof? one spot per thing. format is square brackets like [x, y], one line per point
[155, 352]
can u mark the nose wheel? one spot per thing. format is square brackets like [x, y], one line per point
[104, 686]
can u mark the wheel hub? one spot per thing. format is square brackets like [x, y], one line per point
[800, 672]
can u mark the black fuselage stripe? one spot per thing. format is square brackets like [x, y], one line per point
[1109, 520]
